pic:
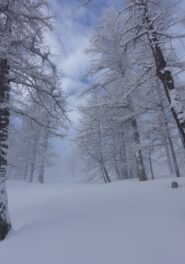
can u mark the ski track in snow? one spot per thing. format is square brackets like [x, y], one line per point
[126, 222]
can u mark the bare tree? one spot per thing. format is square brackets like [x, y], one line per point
[91, 139]
[147, 22]
[24, 65]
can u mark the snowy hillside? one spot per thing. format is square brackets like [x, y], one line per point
[120, 223]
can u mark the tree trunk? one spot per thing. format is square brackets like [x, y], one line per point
[173, 167]
[150, 159]
[120, 156]
[117, 169]
[101, 160]
[164, 74]
[151, 167]
[138, 154]
[105, 174]
[4, 124]
[32, 167]
[124, 168]
[169, 161]
[164, 123]
[136, 138]
[43, 159]
[41, 171]
[32, 171]
[176, 167]
[25, 172]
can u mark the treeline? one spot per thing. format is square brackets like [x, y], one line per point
[134, 118]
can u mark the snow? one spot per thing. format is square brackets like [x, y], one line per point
[127, 222]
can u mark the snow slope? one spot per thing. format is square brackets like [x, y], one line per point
[121, 223]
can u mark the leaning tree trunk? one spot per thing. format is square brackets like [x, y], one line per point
[151, 166]
[164, 74]
[4, 124]
[105, 173]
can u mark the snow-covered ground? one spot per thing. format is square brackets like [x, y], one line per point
[126, 222]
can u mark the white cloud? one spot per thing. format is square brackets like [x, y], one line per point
[69, 41]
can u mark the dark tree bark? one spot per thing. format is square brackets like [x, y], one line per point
[106, 174]
[4, 124]
[163, 73]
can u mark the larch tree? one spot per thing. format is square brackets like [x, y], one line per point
[92, 139]
[149, 23]
[125, 76]
[24, 64]
[38, 121]
[112, 68]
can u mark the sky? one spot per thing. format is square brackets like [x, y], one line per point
[69, 41]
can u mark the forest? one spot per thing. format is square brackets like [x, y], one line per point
[92, 91]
